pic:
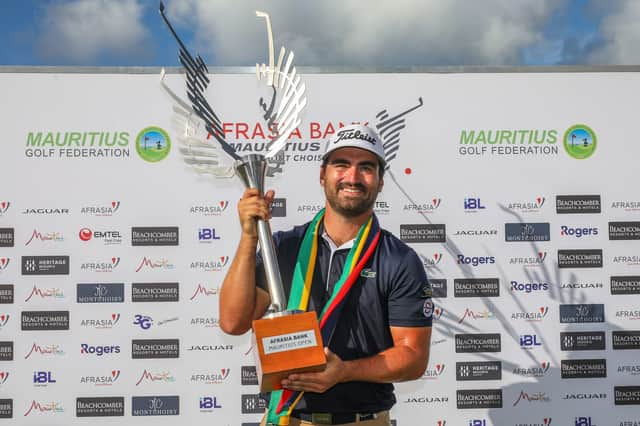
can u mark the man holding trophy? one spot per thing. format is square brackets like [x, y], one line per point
[368, 289]
[358, 304]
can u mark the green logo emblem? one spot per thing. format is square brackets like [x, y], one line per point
[580, 141]
[153, 144]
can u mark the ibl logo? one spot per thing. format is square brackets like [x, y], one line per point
[529, 340]
[207, 234]
[476, 422]
[207, 402]
[43, 377]
[584, 421]
[473, 204]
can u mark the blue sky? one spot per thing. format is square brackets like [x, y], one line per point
[323, 33]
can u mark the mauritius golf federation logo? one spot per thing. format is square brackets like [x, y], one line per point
[153, 144]
[580, 141]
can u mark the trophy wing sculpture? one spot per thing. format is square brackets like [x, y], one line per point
[281, 114]
[282, 78]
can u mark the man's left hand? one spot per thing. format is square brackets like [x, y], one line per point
[317, 382]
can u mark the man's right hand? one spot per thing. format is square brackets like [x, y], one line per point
[252, 207]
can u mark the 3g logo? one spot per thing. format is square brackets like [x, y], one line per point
[143, 321]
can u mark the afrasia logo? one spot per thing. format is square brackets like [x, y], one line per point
[433, 373]
[101, 266]
[4, 262]
[211, 377]
[153, 144]
[213, 209]
[101, 210]
[580, 141]
[537, 371]
[212, 265]
[103, 380]
[531, 316]
[424, 207]
[437, 313]
[532, 205]
[102, 322]
[431, 261]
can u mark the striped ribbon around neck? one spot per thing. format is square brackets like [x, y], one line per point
[283, 401]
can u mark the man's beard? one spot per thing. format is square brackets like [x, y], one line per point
[350, 207]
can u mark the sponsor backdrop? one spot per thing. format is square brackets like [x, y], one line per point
[517, 190]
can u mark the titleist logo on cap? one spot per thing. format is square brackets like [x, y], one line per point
[351, 134]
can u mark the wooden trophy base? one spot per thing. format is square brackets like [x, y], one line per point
[287, 344]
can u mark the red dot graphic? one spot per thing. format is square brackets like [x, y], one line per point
[407, 171]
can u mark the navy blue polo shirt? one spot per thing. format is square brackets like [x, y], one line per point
[392, 290]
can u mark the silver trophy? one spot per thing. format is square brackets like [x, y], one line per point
[197, 120]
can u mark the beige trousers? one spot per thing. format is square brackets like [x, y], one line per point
[383, 419]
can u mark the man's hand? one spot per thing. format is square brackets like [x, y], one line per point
[317, 382]
[252, 207]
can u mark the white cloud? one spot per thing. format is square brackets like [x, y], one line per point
[620, 35]
[79, 31]
[372, 32]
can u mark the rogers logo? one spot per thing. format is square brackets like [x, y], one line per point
[85, 234]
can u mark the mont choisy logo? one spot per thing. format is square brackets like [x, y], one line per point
[153, 144]
[579, 142]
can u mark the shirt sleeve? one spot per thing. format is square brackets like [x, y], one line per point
[410, 303]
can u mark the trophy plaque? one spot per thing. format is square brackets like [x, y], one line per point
[286, 341]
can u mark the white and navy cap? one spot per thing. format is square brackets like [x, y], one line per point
[356, 136]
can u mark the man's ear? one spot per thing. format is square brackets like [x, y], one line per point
[322, 175]
[380, 185]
